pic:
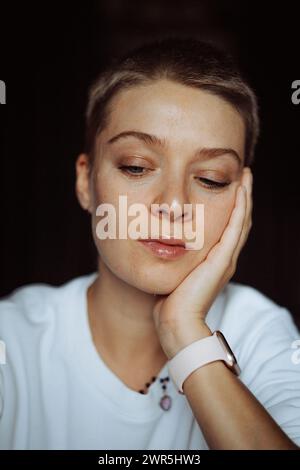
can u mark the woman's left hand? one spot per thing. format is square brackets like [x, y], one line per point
[180, 316]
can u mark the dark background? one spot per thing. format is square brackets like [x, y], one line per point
[50, 54]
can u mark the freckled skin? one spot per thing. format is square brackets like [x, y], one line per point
[188, 118]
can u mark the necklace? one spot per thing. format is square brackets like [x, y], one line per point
[165, 401]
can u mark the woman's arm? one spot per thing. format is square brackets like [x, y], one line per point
[229, 415]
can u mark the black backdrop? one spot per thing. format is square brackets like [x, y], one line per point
[49, 55]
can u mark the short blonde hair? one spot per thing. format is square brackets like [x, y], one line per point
[187, 61]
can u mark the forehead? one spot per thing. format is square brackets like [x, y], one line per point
[182, 115]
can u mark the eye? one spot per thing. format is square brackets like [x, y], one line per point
[134, 170]
[208, 183]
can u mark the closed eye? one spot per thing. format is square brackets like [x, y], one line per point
[212, 183]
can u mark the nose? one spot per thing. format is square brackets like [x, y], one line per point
[172, 203]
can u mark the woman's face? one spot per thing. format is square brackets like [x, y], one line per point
[187, 120]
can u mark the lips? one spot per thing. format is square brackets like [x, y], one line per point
[164, 248]
[166, 241]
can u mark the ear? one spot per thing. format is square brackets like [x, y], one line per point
[82, 182]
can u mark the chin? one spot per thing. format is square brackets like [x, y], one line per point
[157, 281]
[156, 289]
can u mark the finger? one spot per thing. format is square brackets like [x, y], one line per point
[224, 250]
[247, 182]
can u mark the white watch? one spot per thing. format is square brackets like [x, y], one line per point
[197, 354]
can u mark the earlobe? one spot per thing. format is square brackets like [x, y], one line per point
[82, 182]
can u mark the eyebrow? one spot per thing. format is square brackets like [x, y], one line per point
[151, 139]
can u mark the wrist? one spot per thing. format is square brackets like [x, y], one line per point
[199, 353]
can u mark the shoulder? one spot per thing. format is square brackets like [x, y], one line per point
[250, 310]
[260, 332]
[25, 309]
[31, 308]
[35, 321]
[240, 295]
[257, 328]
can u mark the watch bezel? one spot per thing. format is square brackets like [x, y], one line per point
[231, 359]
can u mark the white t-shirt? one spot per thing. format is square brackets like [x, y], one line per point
[57, 393]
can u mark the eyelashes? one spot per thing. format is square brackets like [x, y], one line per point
[133, 169]
[136, 172]
[213, 184]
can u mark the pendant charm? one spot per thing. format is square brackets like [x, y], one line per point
[165, 402]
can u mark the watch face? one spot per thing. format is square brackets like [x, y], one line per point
[232, 362]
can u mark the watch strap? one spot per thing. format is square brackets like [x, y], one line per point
[193, 356]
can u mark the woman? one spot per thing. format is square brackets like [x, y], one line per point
[107, 361]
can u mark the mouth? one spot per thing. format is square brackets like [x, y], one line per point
[165, 248]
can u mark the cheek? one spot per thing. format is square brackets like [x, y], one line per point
[115, 253]
[108, 186]
[104, 190]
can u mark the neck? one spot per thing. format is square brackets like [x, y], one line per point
[121, 322]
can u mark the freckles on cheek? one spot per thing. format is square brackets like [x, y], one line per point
[104, 185]
[104, 193]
